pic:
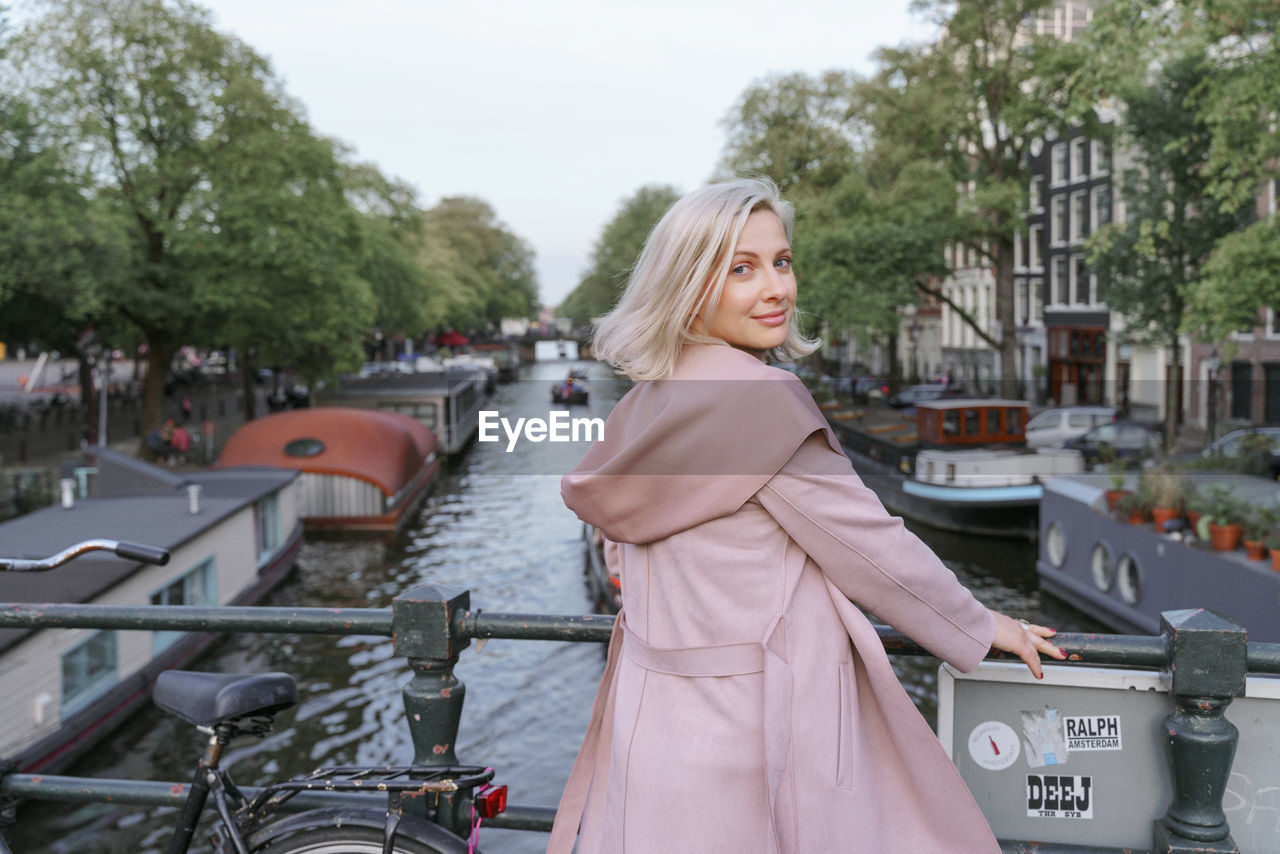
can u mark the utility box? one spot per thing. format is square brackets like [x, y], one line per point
[1079, 758]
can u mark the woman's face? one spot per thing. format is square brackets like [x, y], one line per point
[759, 293]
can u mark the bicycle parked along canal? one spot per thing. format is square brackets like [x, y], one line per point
[226, 706]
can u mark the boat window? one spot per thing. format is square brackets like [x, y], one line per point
[1081, 419]
[951, 472]
[1013, 421]
[303, 447]
[197, 587]
[951, 423]
[1129, 580]
[1102, 568]
[972, 422]
[266, 523]
[88, 670]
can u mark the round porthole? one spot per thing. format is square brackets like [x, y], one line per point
[1102, 567]
[1129, 579]
[303, 448]
[1055, 545]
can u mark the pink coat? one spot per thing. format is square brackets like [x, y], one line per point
[748, 704]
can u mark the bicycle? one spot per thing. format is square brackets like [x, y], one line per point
[225, 706]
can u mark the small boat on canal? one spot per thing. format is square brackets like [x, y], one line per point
[956, 464]
[363, 470]
[573, 390]
[1125, 575]
[232, 535]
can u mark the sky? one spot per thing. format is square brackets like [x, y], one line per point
[553, 112]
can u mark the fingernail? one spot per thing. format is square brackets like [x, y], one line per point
[1062, 652]
[1039, 675]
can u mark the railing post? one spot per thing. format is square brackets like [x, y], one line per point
[1208, 666]
[422, 621]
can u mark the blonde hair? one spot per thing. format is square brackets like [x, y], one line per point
[691, 246]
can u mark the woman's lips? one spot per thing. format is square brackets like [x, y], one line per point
[776, 318]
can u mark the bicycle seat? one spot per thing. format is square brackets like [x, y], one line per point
[206, 699]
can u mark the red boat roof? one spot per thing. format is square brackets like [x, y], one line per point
[379, 446]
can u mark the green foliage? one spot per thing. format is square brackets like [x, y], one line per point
[478, 271]
[615, 250]
[1221, 505]
[795, 129]
[1241, 274]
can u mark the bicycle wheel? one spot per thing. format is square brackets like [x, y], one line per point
[345, 831]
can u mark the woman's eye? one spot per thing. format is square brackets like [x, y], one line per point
[741, 269]
[783, 263]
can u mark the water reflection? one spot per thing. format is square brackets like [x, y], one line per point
[494, 525]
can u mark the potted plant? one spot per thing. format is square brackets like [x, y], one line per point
[1133, 507]
[1224, 512]
[1168, 495]
[1273, 546]
[1258, 524]
[1118, 477]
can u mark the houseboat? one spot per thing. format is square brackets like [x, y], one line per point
[363, 470]
[960, 465]
[446, 401]
[233, 535]
[1125, 575]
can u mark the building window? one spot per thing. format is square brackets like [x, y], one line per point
[1023, 299]
[1058, 281]
[1079, 216]
[88, 670]
[1101, 158]
[197, 587]
[266, 521]
[1035, 248]
[1080, 278]
[1059, 168]
[1036, 202]
[1101, 206]
[1037, 298]
[1059, 223]
[1079, 168]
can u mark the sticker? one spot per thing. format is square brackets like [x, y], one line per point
[994, 745]
[1062, 796]
[1042, 738]
[1092, 732]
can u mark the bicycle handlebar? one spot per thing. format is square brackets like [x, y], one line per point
[129, 551]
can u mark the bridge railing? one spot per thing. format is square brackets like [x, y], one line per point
[1206, 655]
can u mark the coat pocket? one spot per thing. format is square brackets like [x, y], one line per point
[844, 733]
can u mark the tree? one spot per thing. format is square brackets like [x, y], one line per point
[479, 271]
[1149, 264]
[970, 105]
[157, 101]
[796, 129]
[615, 250]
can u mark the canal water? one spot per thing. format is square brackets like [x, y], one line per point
[494, 525]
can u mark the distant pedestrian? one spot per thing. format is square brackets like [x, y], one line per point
[748, 704]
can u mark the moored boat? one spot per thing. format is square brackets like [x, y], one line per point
[232, 536]
[605, 587]
[362, 469]
[446, 401]
[1125, 575]
[960, 465]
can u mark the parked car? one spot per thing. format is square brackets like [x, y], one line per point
[1128, 442]
[911, 395]
[1054, 426]
[861, 389]
[1231, 445]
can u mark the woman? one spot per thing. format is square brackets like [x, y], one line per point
[748, 704]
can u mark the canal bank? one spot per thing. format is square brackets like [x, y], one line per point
[494, 525]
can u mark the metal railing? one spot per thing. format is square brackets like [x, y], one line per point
[1206, 655]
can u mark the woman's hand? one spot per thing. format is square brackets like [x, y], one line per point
[1025, 640]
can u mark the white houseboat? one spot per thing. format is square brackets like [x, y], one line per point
[232, 536]
[960, 465]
